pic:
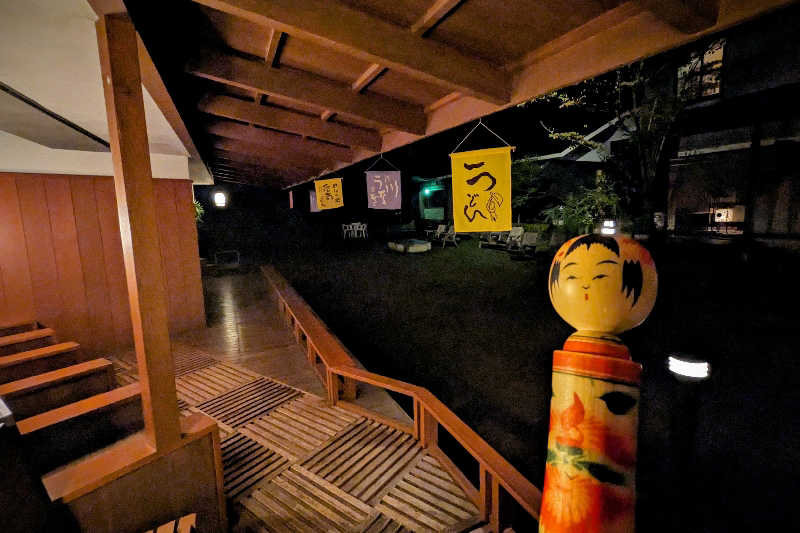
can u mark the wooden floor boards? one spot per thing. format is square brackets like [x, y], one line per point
[291, 463]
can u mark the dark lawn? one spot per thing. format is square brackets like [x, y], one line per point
[478, 330]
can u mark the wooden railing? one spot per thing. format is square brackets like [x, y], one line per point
[340, 375]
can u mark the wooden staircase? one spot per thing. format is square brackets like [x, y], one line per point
[65, 405]
[81, 435]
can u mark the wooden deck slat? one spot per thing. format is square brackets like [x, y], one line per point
[245, 463]
[342, 443]
[243, 404]
[373, 484]
[384, 524]
[209, 382]
[301, 501]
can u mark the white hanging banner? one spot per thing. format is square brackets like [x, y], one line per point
[312, 201]
[383, 189]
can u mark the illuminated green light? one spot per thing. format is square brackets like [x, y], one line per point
[426, 191]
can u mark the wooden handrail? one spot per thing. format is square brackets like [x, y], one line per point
[522, 490]
[339, 363]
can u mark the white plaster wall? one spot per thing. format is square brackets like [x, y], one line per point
[20, 155]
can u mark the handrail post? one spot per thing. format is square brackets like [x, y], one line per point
[333, 387]
[429, 430]
[490, 500]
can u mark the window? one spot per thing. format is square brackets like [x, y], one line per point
[701, 76]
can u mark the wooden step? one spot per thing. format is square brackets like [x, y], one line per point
[25, 364]
[10, 328]
[36, 394]
[61, 435]
[27, 340]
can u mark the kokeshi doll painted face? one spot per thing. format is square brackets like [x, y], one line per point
[603, 285]
[591, 456]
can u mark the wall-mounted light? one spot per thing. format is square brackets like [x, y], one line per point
[220, 199]
[426, 191]
[689, 368]
[609, 227]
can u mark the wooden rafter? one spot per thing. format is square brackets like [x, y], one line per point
[257, 155]
[280, 119]
[434, 14]
[375, 40]
[371, 74]
[688, 16]
[273, 44]
[303, 87]
[282, 142]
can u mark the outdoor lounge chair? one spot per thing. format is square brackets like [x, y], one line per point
[489, 239]
[449, 236]
[527, 246]
[436, 234]
[515, 238]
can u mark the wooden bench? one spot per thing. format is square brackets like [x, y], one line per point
[61, 435]
[26, 340]
[36, 394]
[25, 364]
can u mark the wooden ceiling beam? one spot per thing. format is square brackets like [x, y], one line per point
[255, 154]
[372, 39]
[439, 10]
[280, 119]
[282, 142]
[308, 88]
[687, 16]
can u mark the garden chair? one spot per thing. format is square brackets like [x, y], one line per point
[449, 236]
[359, 230]
[515, 238]
[347, 230]
[436, 234]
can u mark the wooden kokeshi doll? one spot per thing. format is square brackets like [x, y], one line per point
[601, 285]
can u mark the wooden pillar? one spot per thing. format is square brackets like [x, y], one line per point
[130, 153]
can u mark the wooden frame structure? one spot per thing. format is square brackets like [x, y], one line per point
[340, 376]
[144, 464]
[346, 79]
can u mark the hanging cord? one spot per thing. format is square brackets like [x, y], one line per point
[379, 160]
[480, 123]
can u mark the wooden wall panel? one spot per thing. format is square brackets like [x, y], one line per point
[16, 297]
[112, 256]
[90, 247]
[190, 264]
[61, 257]
[166, 218]
[41, 255]
[68, 261]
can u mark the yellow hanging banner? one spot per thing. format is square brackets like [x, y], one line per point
[482, 190]
[329, 193]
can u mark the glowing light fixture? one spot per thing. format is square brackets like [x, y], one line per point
[689, 368]
[220, 199]
[609, 227]
[426, 191]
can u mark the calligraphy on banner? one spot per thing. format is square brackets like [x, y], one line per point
[482, 190]
[329, 193]
[312, 201]
[383, 190]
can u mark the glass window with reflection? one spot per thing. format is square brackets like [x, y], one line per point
[700, 77]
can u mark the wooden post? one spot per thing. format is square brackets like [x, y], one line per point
[429, 429]
[116, 38]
